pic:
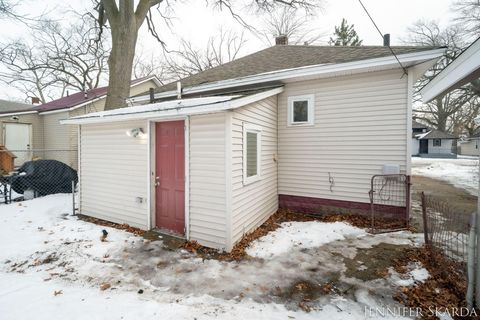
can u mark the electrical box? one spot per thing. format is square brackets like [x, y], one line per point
[391, 169]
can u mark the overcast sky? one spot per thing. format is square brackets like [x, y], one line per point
[195, 22]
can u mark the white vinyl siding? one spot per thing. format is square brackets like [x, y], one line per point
[113, 173]
[58, 139]
[208, 223]
[360, 124]
[469, 148]
[37, 129]
[253, 203]
[444, 147]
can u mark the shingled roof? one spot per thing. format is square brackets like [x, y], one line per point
[282, 57]
[81, 98]
[7, 106]
[436, 134]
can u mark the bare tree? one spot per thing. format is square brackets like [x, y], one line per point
[145, 65]
[290, 22]
[451, 111]
[188, 59]
[125, 19]
[468, 17]
[55, 59]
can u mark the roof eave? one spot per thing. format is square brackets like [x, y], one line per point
[324, 70]
[162, 114]
[464, 68]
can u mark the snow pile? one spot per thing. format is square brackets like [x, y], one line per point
[301, 235]
[417, 273]
[462, 173]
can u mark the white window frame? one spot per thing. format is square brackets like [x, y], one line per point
[310, 98]
[248, 127]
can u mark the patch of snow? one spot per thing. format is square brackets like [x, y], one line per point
[461, 173]
[420, 274]
[416, 274]
[301, 235]
[175, 284]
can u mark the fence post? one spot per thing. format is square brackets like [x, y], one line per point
[471, 261]
[424, 218]
[408, 199]
[73, 197]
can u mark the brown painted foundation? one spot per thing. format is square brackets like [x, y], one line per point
[322, 206]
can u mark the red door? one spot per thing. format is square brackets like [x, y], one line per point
[170, 176]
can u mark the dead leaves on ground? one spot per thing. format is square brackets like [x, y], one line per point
[101, 222]
[104, 286]
[282, 215]
[444, 289]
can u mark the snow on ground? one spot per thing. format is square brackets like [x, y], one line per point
[461, 172]
[301, 235]
[44, 250]
[417, 273]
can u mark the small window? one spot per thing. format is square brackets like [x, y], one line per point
[301, 110]
[476, 143]
[437, 142]
[252, 137]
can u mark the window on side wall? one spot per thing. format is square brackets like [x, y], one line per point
[252, 152]
[301, 110]
[437, 142]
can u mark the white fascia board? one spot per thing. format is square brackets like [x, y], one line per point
[176, 112]
[16, 113]
[315, 70]
[459, 69]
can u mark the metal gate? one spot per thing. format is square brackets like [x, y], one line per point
[389, 202]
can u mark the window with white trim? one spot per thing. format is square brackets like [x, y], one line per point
[437, 142]
[301, 110]
[252, 152]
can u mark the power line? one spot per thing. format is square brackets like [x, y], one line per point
[381, 34]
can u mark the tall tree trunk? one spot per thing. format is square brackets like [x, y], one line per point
[120, 62]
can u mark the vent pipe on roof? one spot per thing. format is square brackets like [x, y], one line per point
[281, 40]
[85, 94]
[179, 90]
[386, 40]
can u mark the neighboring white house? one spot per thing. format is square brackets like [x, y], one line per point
[37, 127]
[300, 127]
[431, 143]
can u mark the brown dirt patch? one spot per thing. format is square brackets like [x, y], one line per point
[373, 263]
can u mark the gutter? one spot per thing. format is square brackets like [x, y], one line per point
[320, 69]
[174, 111]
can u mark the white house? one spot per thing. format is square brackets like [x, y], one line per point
[301, 127]
[432, 143]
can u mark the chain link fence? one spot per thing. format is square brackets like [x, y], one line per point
[28, 174]
[445, 228]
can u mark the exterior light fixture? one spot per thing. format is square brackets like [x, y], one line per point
[135, 133]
